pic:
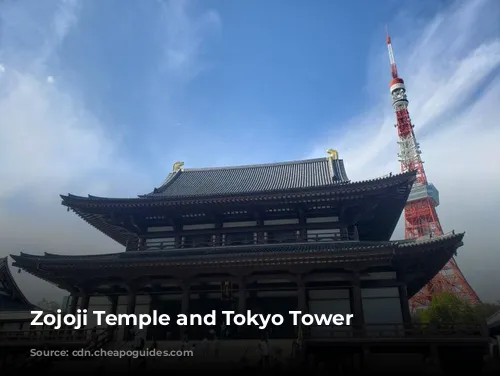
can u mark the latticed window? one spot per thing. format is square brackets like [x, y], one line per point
[286, 236]
[239, 238]
[193, 241]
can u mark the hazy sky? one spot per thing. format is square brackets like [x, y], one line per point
[102, 97]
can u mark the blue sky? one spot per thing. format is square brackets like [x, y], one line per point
[102, 98]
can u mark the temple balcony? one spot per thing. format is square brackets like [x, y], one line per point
[234, 239]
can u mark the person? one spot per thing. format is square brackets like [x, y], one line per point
[204, 346]
[223, 330]
[93, 335]
[264, 353]
[139, 348]
[154, 349]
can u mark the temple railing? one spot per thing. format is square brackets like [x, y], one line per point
[162, 244]
[356, 333]
[45, 336]
[410, 331]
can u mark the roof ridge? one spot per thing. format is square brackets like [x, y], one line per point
[298, 161]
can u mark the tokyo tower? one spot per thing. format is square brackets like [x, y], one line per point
[421, 219]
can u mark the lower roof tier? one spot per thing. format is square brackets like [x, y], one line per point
[418, 261]
[11, 297]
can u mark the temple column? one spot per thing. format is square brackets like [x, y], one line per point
[242, 296]
[303, 224]
[114, 304]
[357, 306]
[85, 301]
[405, 307]
[355, 233]
[132, 296]
[186, 292]
[302, 295]
[152, 330]
[73, 304]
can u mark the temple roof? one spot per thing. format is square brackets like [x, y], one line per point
[190, 194]
[310, 173]
[54, 268]
[235, 251]
[11, 297]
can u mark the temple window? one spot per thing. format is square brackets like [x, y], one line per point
[322, 219]
[382, 306]
[160, 243]
[239, 238]
[326, 235]
[199, 240]
[282, 236]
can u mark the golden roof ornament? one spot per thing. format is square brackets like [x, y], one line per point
[333, 154]
[178, 166]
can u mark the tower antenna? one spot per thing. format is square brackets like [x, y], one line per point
[421, 219]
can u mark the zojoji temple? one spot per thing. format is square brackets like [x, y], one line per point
[269, 238]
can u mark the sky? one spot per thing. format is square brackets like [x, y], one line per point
[101, 98]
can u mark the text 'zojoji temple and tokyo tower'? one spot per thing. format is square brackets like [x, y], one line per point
[421, 219]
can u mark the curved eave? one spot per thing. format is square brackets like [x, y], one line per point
[72, 201]
[15, 292]
[85, 207]
[358, 249]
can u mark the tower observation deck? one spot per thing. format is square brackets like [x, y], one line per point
[421, 219]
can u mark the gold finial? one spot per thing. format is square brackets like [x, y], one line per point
[334, 154]
[178, 166]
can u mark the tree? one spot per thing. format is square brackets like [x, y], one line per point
[447, 310]
[486, 310]
[48, 305]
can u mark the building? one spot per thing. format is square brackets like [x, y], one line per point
[493, 323]
[15, 309]
[268, 238]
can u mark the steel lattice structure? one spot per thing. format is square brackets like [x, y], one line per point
[421, 219]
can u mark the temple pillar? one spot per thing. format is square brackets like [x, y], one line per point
[85, 301]
[73, 304]
[186, 293]
[357, 306]
[355, 233]
[114, 304]
[302, 295]
[242, 296]
[128, 335]
[303, 225]
[405, 306]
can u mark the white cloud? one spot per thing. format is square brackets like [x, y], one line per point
[449, 68]
[185, 34]
[49, 140]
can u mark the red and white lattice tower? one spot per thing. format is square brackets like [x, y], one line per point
[421, 219]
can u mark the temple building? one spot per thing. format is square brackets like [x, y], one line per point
[15, 309]
[269, 238]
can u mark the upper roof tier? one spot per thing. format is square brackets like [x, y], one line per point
[283, 176]
[193, 196]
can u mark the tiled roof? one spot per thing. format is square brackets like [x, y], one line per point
[350, 247]
[11, 297]
[321, 172]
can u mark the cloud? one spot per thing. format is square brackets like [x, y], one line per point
[451, 68]
[185, 34]
[50, 141]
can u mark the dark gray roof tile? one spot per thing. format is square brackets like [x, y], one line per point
[321, 172]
